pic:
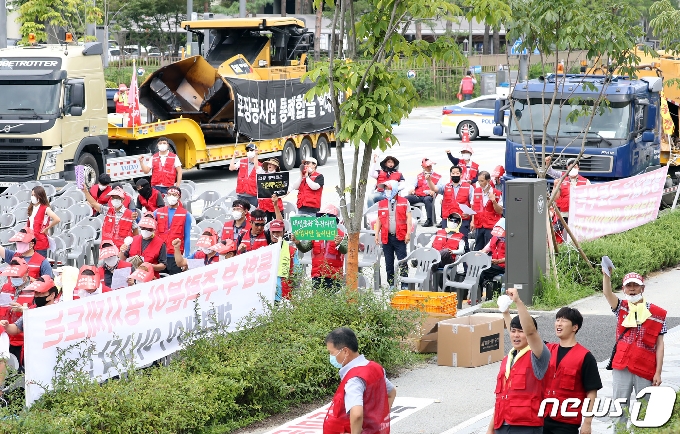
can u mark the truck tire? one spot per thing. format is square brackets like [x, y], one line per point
[305, 151]
[91, 168]
[321, 151]
[288, 156]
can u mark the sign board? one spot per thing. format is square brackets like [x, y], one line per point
[269, 184]
[314, 228]
[476, 69]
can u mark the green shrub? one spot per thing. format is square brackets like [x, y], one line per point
[424, 85]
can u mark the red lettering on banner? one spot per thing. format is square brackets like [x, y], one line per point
[249, 271]
[209, 284]
[54, 327]
[75, 325]
[265, 267]
[158, 299]
[133, 308]
[175, 296]
[113, 318]
[228, 281]
[192, 288]
[93, 319]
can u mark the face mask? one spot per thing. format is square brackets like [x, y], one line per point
[21, 247]
[455, 179]
[334, 361]
[205, 250]
[391, 193]
[16, 281]
[111, 261]
[34, 200]
[271, 171]
[465, 156]
[145, 191]
[40, 301]
[310, 169]
[451, 225]
[172, 200]
[237, 215]
[102, 186]
[162, 148]
[573, 172]
[633, 298]
[147, 234]
[116, 203]
[251, 154]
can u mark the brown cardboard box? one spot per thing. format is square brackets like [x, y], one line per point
[470, 341]
[426, 341]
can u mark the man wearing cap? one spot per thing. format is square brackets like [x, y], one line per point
[144, 273]
[101, 190]
[573, 179]
[520, 382]
[449, 241]
[149, 199]
[421, 193]
[256, 237]
[288, 260]
[468, 168]
[388, 171]
[328, 257]
[173, 221]
[240, 223]
[487, 203]
[146, 247]
[496, 249]
[88, 283]
[226, 249]
[166, 169]
[640, 327]
[205, 249]
[121, 99]
[119, 221]
[393, 229]
[274, 205]
[246, 183]
[310, 188]
[17, 282]
[127, 199]
[24, 240]
[456, 192]
[109, 257]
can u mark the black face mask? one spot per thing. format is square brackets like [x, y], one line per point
[455, 178]
[145, 191]
[40, 301]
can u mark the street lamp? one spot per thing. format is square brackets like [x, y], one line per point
[465, 45]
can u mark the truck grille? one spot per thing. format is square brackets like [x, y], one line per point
[26, 170]
[587, 164]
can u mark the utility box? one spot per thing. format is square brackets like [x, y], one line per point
[525, 234]
[488, 83]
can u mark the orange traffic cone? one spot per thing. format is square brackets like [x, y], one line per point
[465, 136]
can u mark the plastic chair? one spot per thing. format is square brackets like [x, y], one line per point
[191, 188]
[8, 203]
[288, 209]
[232, 194]
[425, 257]
[21, 212]
[476, 262]
[68, 187]
[305, 259]
[76, 195]
[58, 255]
[66, 218]
[371, 257]
[29, 185]
[224, 202]
[84, 242]
[50, 190]
[208, 198]
[213, 213]
[417, 214]
[7, 220]
[5, 235]
[80, 211]
[63, 202]
[96, 224]
[224, 218]
[424, 239]
[9, 191]
[371, 210]
[193, 238]
[130, 190]
[188, 182]
[23, 196]
[210, 223]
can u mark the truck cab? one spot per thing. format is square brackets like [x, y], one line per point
[622, 141]
[53, 113]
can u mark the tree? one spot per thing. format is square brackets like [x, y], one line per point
[42, 16]
[380, 95]
[230, 7]
[154, 22]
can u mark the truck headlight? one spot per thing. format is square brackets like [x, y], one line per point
[50, 163]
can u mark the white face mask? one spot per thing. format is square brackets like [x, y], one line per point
[162, 148]
[102, 186]
[172, 200]
[206, 250]
[21, 247]
[237, 215]
[111, 261]
[465, 156]
[146, 234]
[251, 154]
[271, 171]
[34, 200]
[573, 172]
[116, 203]
[633, 298]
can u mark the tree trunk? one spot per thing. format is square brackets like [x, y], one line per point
[341, 42]
[206, 6]
[486, 49]
[496, 40]
[317, 33]
[352, 258]
[298, 7]
[449, 27]
[419, 31]
[283, 7]
[352, 39]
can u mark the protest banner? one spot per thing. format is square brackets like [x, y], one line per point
[145, 322]
[601, 209]
[314, 228]
[269, 184]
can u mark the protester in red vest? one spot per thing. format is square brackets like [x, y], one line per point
[109, 257]
[119, 221]
[256, 237]
[166, 167]
[389, 171]
[487, 203]
[456, 193]
[272, 206]
[226, 249]
[573, 179]
[572, 373]
[121, 99]
[173, 221]
[467, 86]
[17, 282]
[328, 257]
[24, 240]
[146, 247]
[246, 183]
[520, 382]
[144, 273]
[88, 283]
[497, 177]
[364, 397]
[45, 293]
[240, 223]
[100, 191]
[206, 250]
[310, 188]
[496, 249]
[468, 169]
[421, 193]
[41, 219]
[127, 200]
[149, 199]
[393, 229]
[449, 242]
[638, 359]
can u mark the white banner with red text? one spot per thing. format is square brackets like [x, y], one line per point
[597, 210]
[143, 323]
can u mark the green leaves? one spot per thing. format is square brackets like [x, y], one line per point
[70, 14]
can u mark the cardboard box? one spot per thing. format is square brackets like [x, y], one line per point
[470, 341]
[426, 340]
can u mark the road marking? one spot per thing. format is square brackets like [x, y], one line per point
[461, 426]
[312, 422]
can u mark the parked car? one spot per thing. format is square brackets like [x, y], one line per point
[152, 51]
[476, 114]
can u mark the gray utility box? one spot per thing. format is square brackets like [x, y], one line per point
[488, 83]
[525, 234]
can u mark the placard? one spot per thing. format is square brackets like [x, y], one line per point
[314, 228]
[269, 184]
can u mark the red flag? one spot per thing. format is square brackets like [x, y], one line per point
[135, 117]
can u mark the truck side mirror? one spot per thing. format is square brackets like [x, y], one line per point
[650, 119]
[498, 130]
[77, 96]
[648, 136]
[497, 117]
[76, 111]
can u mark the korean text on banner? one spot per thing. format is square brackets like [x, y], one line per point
[314, 228]
[269, 184]
[607, 208]
[145, 321]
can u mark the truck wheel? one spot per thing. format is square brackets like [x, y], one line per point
[288, 156]
[321, 151]
[91, 168]
[305, 151]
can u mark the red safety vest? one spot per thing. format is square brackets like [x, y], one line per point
[518, 398]
[40, 222]
[266, 204]
[102, 282]
[383, 178]
[247, 183]
[327, 261]
[34, 264]
[566, 381]
[163, 174]
[117, 231]
[486, 216]
[150, 254]
[402, 208]
[6, 312]
[443, 239]
[637, 349]
[421, 185]
[468, 173]
[451, 201]
[176, 229]
[150, 204]
[229, 232]
[308, 197]
[254, 243]
[563, 201]
[497, 250]
[286, 282]
[102, 197]
[376, 404]
[468, 86]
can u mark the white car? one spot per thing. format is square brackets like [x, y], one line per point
[476, 114]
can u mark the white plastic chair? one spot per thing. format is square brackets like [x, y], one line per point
[476, 263]
[80, 211]
[370, 257]
[214, 213]
[84, 239]
[63, 202]
[210, 223]
[130, 190]
[5, 235]
[76, 195]
[425, 257]
[288, 210]
[66, 218]
[9, 191]
[8, 203]
[23, 196]
[58, 255]
[7, 220]
[21, 212]
[29, 185]
[50, 190]
[424, 239]
[207, 197]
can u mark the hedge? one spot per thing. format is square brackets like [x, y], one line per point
[223, 381]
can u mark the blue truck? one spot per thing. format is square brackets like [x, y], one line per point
[622, 141]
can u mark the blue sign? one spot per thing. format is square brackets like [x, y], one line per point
[515, 51]
[476, 69]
